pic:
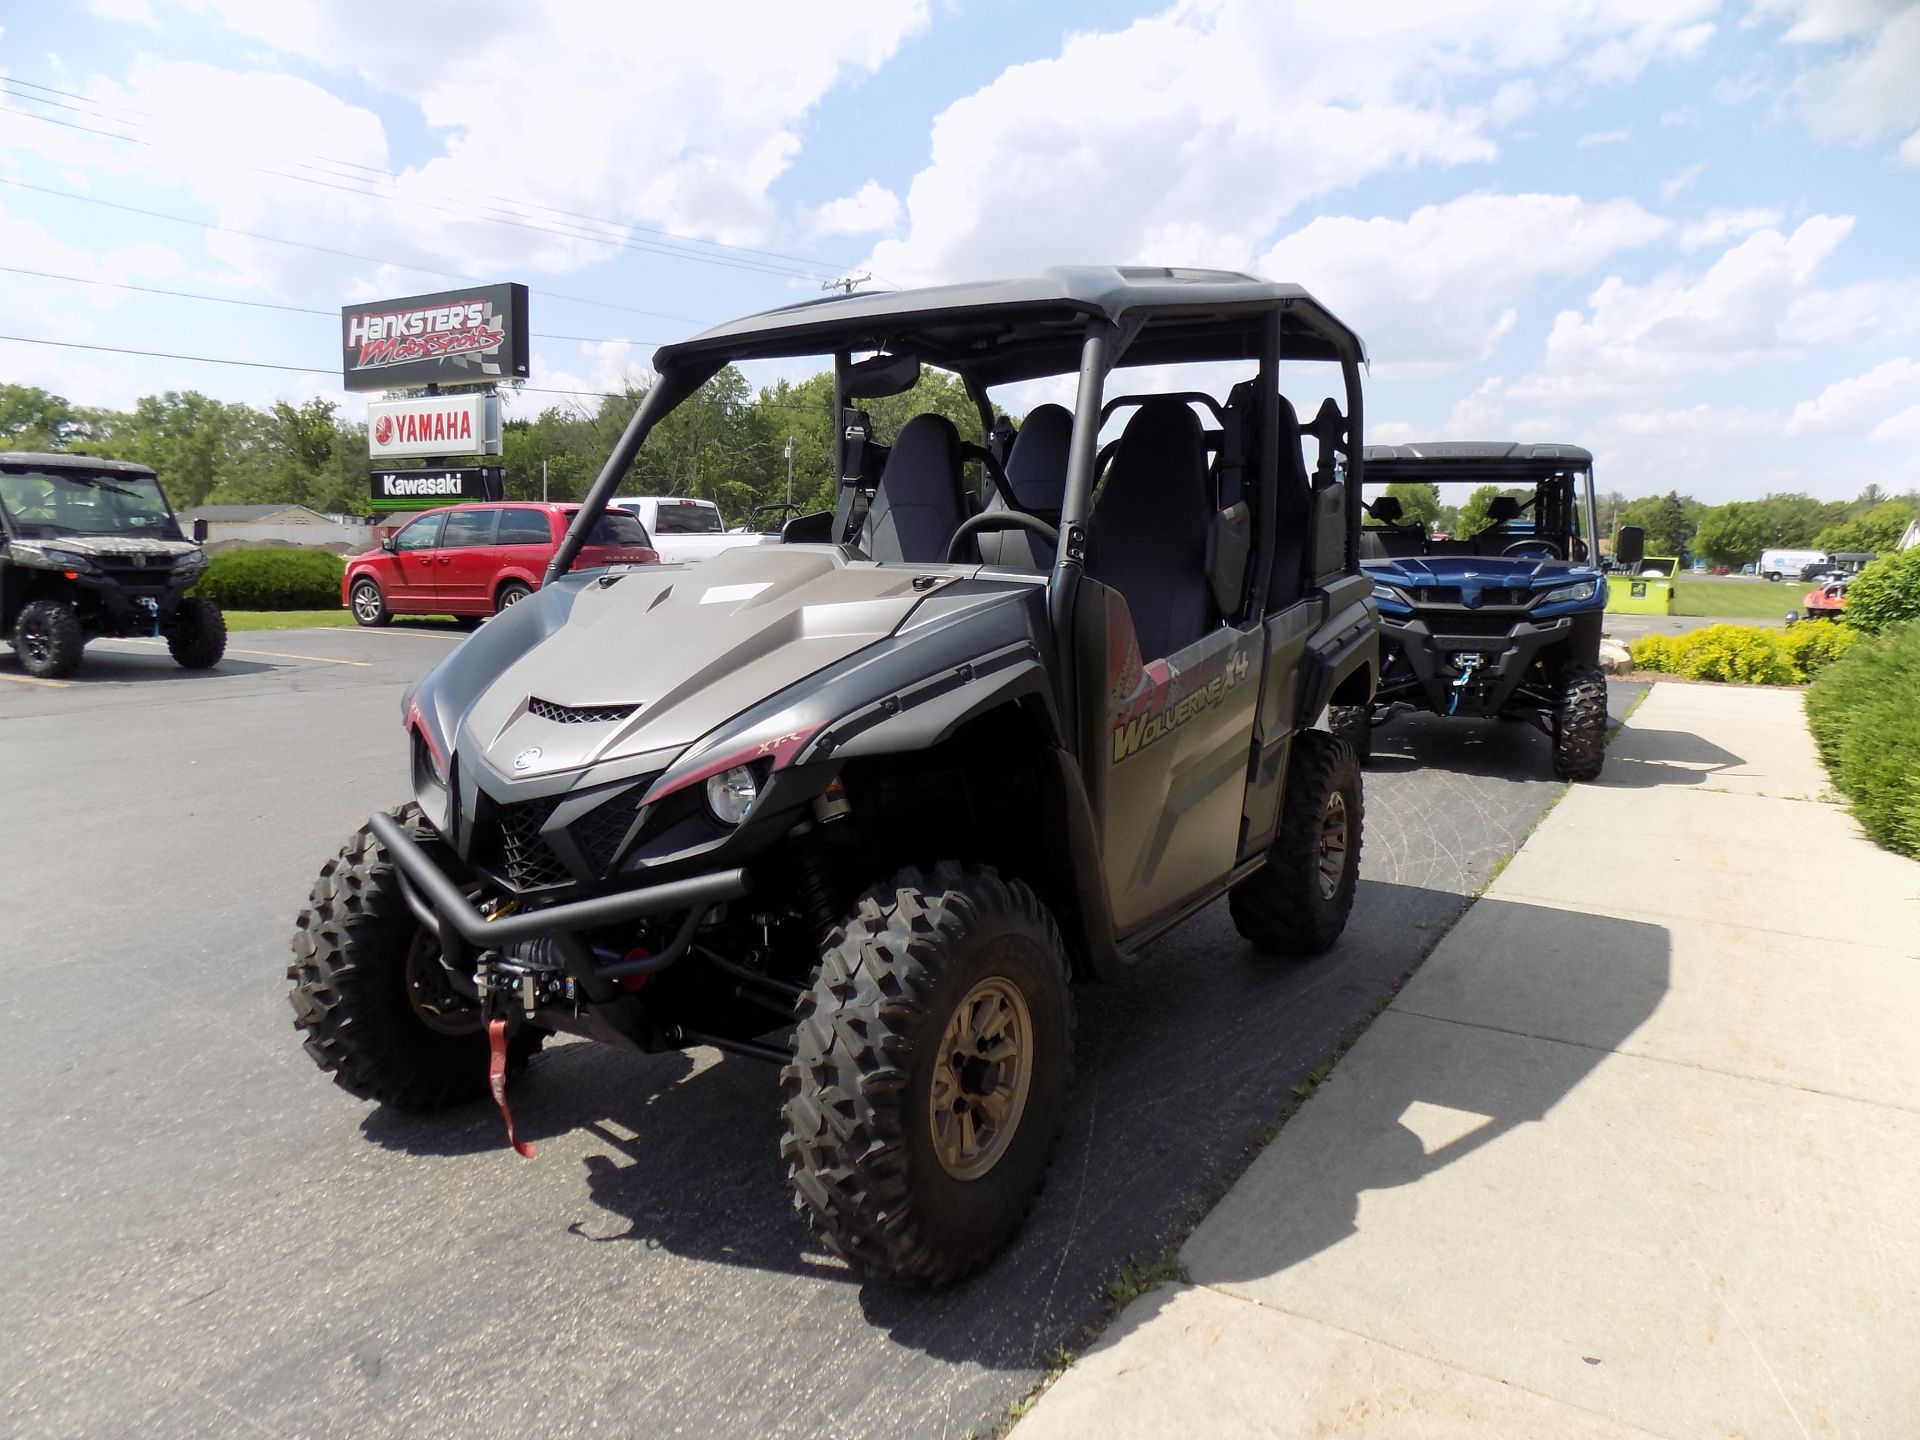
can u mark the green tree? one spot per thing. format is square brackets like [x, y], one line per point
[1473, 514]
[34, 419]
[1664, 518]
[1419, 504]
[1878, 529]
[1734, 534]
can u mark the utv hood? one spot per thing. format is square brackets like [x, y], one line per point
[110, 546]
[644, 661]
[1473, 573]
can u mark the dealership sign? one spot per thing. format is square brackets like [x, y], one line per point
[455, 337]
[437, 485]
[434, 426]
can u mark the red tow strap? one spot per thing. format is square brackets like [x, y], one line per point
[497, 1079]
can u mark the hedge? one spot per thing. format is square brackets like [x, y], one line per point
[1862, 711]
[1886, 593]
[1746, 654]
[282, 579]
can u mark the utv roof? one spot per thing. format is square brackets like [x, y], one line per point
[66, 460]
[1451, 460]
[1005, 330]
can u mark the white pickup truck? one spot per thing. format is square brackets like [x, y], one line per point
[685, 529]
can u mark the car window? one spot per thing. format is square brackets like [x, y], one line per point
[422, 534]
[619, 527]
[524, 527]
[469, 527]
[673, 518]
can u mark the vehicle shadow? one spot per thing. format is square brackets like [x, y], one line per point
[1176, 1075]
[1501, 749]
[1641, 759]
[1488, 1048]
[117, 667]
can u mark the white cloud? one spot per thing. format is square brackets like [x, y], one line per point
[1604, 137]
[1679, 115]
[1850, 404]
[1903, 426]
[1909, 152]
[870, 208]
[1191, 134]
[1677, 185]
[1440, 287]
[1718, 226]
[1861, 88]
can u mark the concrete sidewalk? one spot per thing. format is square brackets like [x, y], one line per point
[1636, 1152]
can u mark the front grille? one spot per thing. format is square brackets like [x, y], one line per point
[157, 572]
[578, 714]
[599, 832]
[1472, 622]
[526, 860]
[1435, 594]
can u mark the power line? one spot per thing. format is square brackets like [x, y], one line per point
[270, 305]
[144, 116]
[325, 249]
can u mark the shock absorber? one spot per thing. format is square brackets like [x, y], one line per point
[816, 885]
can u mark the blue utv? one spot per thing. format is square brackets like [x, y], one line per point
[1504, 621]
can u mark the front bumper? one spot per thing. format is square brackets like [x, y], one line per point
[112, 606]
[1420, 658]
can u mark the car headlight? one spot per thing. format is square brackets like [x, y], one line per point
[1389, 593]
[730, 794]
[69, 560]
[1580, 591]
[189, 565]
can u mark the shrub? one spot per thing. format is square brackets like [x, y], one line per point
[1861, 710]
[1815, 644]
[1742, 654]
[272, 580]
[1886, 593]
[1660, 653]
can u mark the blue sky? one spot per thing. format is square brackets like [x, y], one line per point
[1685, 233]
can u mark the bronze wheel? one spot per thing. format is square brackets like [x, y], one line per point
[1333, 845]
[980, 1079]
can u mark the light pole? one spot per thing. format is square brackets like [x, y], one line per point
[789, 472]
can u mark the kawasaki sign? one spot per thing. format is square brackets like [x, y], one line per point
[426, 488]
[455, 337]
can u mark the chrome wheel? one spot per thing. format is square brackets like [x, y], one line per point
[980, 1079]
[1333, 845]
[366, 603]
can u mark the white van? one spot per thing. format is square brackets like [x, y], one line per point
[1777, 564]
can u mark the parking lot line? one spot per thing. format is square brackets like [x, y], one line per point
[35, 680]
[275, 654]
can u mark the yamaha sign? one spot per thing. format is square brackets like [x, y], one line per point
[434, 426]
[475, 336]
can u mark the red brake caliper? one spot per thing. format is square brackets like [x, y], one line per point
[497, 1079]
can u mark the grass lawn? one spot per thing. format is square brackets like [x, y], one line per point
[238, 620]
[1738, 599]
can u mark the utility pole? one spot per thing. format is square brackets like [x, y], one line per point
[789, 472]
[847, 284]
[543, 481]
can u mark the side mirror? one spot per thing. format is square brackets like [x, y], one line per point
[389, 544]
[1630, 546]
[1230, 543]
[881, 374]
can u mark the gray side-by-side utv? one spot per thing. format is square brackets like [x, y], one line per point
[861, 803]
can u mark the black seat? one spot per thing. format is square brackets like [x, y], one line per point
[921, 499]
[1292, 514]
[1500, 510]
[1147, 537]
[1037, 475]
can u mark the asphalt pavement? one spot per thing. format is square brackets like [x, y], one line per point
[201, 1235]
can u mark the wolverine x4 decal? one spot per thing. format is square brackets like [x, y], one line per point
[1168, 696]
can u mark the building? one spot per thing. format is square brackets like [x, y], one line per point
[228, 527]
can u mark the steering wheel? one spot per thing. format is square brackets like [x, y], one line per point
[1000, 520]
[1519, 547]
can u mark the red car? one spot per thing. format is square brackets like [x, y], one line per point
[476, 560]
[1827, 601]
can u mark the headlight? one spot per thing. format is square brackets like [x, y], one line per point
[730, 794]
[1582, 591]
[1389, 593]
[190, 564]
[68, 560]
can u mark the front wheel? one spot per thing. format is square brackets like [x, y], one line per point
[48, 639]
[369, 606]
[929, 1075]
[369, 993]
[1580, 723]
[198, 636]
[1298, 902]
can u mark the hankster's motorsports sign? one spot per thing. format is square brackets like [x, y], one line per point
[455, 337]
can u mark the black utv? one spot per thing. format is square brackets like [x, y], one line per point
[859, 804]
[89, 548]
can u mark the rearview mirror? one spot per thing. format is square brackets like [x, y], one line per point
[1630, 548]
[881, 374]
[389, 544]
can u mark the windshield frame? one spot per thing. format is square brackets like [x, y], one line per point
[18, 529]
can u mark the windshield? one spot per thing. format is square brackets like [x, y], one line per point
[619, 527]
[673, 517]
[43, 505]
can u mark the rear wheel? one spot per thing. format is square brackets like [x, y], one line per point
[1297, 904]
[1580, 723]
[197, 637]
[1354, 724]
[369, 994]
[48, 639]
[510, 594]
[368, 604]
[929, 1074]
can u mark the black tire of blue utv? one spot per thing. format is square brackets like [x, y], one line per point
[1298, 902]
[350, 989]
[861, 1150]
[197, 638]
[1580, 723]
[48, 639]
[1354, 724]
